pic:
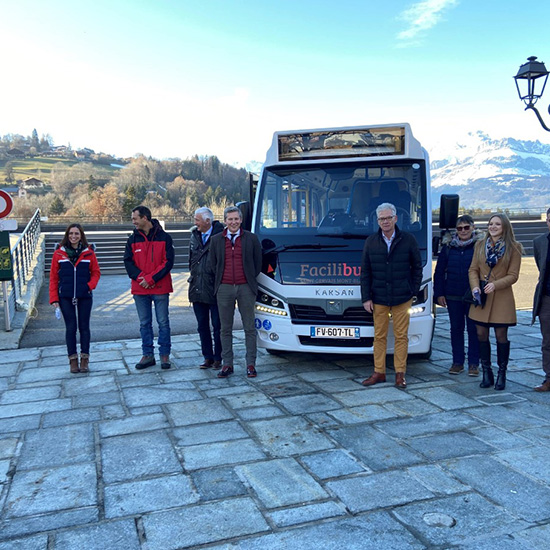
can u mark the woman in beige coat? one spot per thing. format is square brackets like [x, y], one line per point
[494, 269]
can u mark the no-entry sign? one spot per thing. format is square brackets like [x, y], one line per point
[6, 204]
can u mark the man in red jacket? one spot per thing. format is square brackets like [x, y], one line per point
[149, 258]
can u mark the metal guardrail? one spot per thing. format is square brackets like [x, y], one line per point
[22, 253]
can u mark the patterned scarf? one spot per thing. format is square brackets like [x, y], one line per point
[457, 243]
[494, 252]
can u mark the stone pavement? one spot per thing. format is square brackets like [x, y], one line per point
[301, 457]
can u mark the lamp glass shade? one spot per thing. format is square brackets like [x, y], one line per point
[531, 80]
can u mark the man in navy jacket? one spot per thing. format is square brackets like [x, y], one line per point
[391, 274]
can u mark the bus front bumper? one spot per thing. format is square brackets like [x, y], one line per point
[281, 335]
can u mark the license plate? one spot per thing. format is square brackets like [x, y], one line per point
[334, 332]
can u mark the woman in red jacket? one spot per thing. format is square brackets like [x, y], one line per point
[73, 276]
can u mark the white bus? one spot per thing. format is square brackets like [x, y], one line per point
[314, 206]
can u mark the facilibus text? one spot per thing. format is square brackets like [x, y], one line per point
[340, 269]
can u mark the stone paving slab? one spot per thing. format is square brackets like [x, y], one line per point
[73, 444]
[221, 453]
[201, 524]
[40, 491]
[301, 457]
[371, 532]
[29, 543]
[281, 482]
[289, 436]
[469, 517]
[383, 490]
[449, 445]
[148, 495]
[128, 457]
[121, 535]
[374, 448]
[218, 483]
[512, 490]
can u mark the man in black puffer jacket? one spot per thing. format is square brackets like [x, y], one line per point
[391, 274]
[201, 287]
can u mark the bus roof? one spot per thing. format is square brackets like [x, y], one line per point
[343, 144]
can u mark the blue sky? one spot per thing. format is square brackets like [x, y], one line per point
[173, 78]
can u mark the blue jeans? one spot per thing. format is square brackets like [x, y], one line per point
[77, 317]
[204, 312]
[458, 316]
[144, 306]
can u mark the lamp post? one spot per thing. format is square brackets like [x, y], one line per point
[530, 83]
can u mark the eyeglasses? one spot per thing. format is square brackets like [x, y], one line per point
[386, 219]
[463, 228]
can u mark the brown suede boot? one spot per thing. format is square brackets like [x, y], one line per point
[73, 362]
[84, 362]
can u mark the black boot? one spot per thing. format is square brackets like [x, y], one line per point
[485, 358]
[503, 353]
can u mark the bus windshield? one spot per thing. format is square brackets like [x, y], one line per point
[318, 202]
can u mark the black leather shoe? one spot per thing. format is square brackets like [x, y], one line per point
[225, 372]
[146, 361]
[206, 364]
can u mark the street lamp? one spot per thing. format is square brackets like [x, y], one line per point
[530, 83]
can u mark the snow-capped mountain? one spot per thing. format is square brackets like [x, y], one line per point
[489, 173]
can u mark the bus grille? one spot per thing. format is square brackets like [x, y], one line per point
[303, 314]
[336, 342]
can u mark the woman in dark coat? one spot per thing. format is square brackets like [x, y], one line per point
[450, 284]
[494, 269]
[73, 276]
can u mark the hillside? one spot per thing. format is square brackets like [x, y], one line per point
[41, 168]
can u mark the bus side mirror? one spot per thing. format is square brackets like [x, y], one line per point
[246, 214]
[448, 211]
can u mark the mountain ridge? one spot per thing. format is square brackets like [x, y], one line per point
[488, 173]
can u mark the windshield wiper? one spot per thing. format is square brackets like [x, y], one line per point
[343, 236]
[316, 246]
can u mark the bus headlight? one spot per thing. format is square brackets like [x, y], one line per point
[265, 303]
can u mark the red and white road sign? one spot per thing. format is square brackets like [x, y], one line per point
[6, 204]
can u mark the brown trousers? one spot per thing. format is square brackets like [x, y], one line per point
[400, 318]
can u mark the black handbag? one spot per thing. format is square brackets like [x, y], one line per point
[468, 297]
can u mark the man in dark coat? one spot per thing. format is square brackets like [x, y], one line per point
[236, 261]
[201, 287]
[391, 274]
[541, 302]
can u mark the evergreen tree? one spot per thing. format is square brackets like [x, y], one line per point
[57, 207]
[92, 184]
[35, 142]
[133, 196]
